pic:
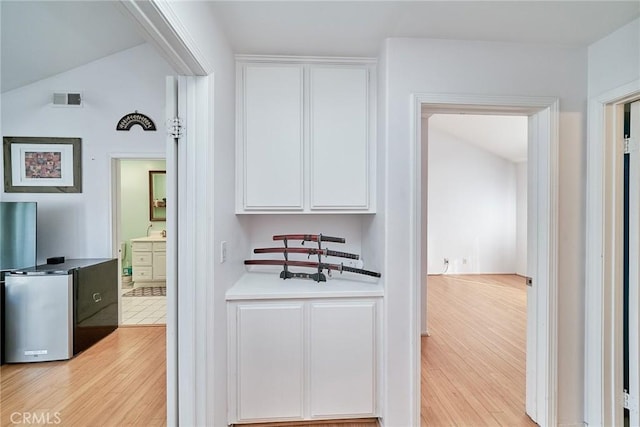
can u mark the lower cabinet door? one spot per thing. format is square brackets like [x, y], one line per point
[342, 356]
[159, 266]
[270, 361]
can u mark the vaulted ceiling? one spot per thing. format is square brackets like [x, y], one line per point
[42, 38]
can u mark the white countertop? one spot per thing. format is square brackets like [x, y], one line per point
[150, 239]
[252, 286]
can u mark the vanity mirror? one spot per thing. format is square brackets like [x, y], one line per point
[157, 196]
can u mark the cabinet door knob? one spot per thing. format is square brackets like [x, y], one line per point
[97, 297]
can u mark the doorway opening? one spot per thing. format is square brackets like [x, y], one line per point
[139, 219]
[473, 357]
[541, 317]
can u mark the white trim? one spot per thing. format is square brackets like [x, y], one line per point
[194, 256]
[424, 211]
[324, 60]
[165, 31]
[141, 156]
[200, 150]
[186, 202]
[116, 220]
[634, 272]
[188, 48]
[547, 295]
[171, 110]
[194, 312]
[603, 371]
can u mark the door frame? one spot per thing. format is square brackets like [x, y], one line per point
[189, 341]
[604, 234]
[545, 408]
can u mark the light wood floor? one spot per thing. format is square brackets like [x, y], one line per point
[473, 362]
[472, 367]
[120, 381]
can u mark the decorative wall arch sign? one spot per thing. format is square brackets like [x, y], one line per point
[135, 118]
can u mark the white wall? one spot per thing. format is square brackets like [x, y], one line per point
[263, 227]
[615, 59]
[468, 67]
[79, 225]
[521, 218]
[471, 208]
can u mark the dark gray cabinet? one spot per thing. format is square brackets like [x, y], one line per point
[95, 314]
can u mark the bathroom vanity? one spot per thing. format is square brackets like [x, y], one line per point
[149, 260]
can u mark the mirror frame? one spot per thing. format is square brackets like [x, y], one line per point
[152, 216]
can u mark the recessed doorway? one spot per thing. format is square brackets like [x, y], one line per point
[473, 357]
[542, 211]
[140, 238]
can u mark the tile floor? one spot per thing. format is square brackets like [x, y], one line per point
[143, 310]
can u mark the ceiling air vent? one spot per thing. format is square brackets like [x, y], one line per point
[67, 99]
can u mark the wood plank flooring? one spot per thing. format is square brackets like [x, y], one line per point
[119, 381]
[473, 362]
[360, 422]
[472, 367]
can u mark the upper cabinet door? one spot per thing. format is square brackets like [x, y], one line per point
[272, 137]
[339, 137]
[305, 139]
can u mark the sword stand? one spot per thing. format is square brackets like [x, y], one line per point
[316, 277]
[319, 266]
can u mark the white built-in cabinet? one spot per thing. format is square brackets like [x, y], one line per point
[267, 342]
[342, 358]
[305, 135]
[149, 260]
[295, 354]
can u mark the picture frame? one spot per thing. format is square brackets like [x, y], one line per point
[42, 164]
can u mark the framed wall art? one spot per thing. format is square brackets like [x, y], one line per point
[42, 165]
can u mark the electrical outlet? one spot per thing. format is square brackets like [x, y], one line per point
[223, 251]
[446, 261]
[464, 260]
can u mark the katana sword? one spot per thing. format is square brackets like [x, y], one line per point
[311, 264]
[309, 238]
[309, 251]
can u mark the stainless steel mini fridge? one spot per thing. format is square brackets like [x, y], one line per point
[54, 311]
[18, 222]
[39, 317]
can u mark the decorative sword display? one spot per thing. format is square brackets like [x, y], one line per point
[308, 251]
[309, 238]
[318, 276]
[313, 264]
